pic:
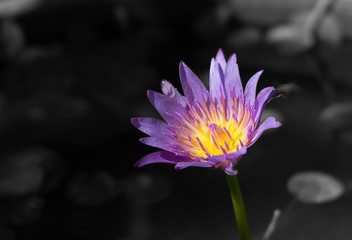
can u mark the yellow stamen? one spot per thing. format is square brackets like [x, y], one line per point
[213, 131]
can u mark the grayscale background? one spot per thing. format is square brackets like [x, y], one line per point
[73, 73]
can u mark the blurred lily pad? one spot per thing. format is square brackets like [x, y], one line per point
[145, 189]
[28, 171]
[292, 38]
[338, 115]
[12, 39]
[27, 210]
[93, 189]
[315, 187]
[12, 8]
[244, 37]
[330, 30]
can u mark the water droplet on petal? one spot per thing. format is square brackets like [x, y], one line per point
[315, 187]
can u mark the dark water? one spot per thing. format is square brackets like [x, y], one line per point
[72, 76]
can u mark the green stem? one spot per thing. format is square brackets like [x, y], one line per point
[238, 206]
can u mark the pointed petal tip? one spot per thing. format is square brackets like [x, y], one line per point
[272, 122]
[156, 157]
[280, 92]
[258, 74]
[269, 122]
[163, 82]
[149, 92]
[251, 88]
[278, 124]
[182, 64]
[135, 122]
[152, 95]
[219, 53]
[233, 58]
[183, 67]
[166, 88]
[137, 164]
[140, 163]
[220, 58]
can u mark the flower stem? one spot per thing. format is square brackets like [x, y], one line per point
[238, 206]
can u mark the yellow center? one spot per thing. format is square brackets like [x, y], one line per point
[210, 130]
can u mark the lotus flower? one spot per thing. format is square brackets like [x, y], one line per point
[206, 128]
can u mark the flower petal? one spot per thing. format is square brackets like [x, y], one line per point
[193, 88]
[232, 78]
[231, 157]
[264, 96]
[159, 157]
[169, 90]
[230, 170]
[235, 156]
[150, 126]
[251, 88]
[182, 165]
[221, 60]
[270, 122]
[216, 159]
[216, 80]
[166, 106]
[232, 160]
[164, 143]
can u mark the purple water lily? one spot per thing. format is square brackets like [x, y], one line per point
[206, 128]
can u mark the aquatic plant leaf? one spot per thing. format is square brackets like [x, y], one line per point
[315, 187]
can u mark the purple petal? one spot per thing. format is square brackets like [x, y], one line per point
[169, 90]
[232, 78]
[221, 59]
[164, 143]
[231, 157]
[150, 126]
[235, 156]
[232, 160]
[227, 162]
[166, 106]
[264, 96]
[192, 87]
[182, 165]
[270, 122]
[216, 80]
[251, 88]
[159, 157]
[230, 170]
[216, 159]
